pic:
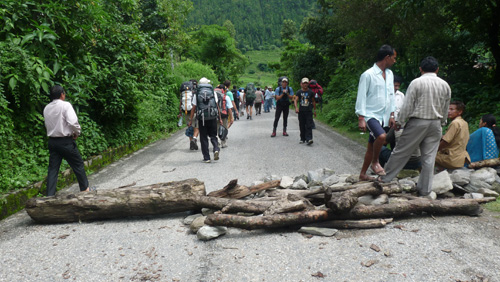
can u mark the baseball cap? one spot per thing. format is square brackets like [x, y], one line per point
[285, 79]
[305, 79]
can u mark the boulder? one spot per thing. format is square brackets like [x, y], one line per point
[211, 232]
[197, 224]
[330, 180]
[299, 185]
[482, 178]
[328, 232]
[286, 182]
[189, 219]
[441, 183]
[488, 192]
[461, 176]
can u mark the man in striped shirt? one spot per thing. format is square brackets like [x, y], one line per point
[425, 111]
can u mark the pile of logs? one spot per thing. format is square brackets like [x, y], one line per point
[239, 206]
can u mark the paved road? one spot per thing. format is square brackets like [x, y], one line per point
[162, 249]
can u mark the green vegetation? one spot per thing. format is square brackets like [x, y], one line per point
[121, 63]
[259, 70]
[493, 206]
[257, 24]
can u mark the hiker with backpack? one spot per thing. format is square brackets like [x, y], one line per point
[187, 91]
[249, 98]
[283, 94]
[259, 98]
[205, 105]
[318, 96]
[307, 106]
[226, 113]
[227, 84]
[236, 108]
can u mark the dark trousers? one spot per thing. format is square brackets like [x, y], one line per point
[258, 107]
[209, 129]
[65, 148]
[306, 124]
[281, 109]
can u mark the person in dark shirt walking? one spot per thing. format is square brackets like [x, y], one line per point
[307, 106]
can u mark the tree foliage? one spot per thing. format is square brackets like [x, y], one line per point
[257, 23]
[344, 36]
[112, 57]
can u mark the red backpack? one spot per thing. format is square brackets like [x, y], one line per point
[317, 90]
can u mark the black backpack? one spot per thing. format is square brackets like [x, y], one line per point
[206, 107]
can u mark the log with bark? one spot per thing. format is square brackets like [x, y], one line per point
[156, 199]
[485, 163]
[235, 191]
[342, 202]
[353, 224]
[469, 207]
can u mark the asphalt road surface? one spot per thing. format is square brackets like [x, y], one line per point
[161, 248]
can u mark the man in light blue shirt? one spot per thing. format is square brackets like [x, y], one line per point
[375, 107]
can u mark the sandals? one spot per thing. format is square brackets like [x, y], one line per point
[378, 170]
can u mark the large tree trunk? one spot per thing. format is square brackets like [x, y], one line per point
[267, 221]
[161, 198]
[418, 206]
[235, 191]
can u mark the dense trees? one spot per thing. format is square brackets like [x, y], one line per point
[345, 35]
[257, 22]
[117, 62]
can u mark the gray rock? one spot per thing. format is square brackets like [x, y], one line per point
[366, 199]
[286, 182]
[207, 211]
[485, 174]
[488, 192]
[380, 200]
[473, 196]
[303, 177]
[461, 176]
[328, 232]
[352, 178]
[369, 200]
[330, 180]
[197, 224]
[268, 178]
[189, 219]
[315, 175]
[211, 232]
[314, 183]
[495, 187]
[448, 194]
[343, 177]
[441, 183]
[299, 185]
[407, 184]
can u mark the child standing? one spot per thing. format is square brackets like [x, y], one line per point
[307, 106]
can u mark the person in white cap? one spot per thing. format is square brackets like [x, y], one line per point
[283, 94]
[307, 106]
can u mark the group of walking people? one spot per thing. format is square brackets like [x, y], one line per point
[416, 119]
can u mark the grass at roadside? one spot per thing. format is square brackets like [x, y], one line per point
[493, 206]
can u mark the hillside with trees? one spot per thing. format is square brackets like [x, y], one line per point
[257, 23]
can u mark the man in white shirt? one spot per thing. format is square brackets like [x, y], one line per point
[375, 107]
[63, 129]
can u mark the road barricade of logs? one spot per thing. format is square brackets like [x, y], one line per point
[323, 206]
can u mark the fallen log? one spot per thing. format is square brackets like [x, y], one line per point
[343, 201]
[485, 163]
[413, 207]
[161, 198]
[469, 207]
[232, 190]
[267, 221]
[353, 224]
